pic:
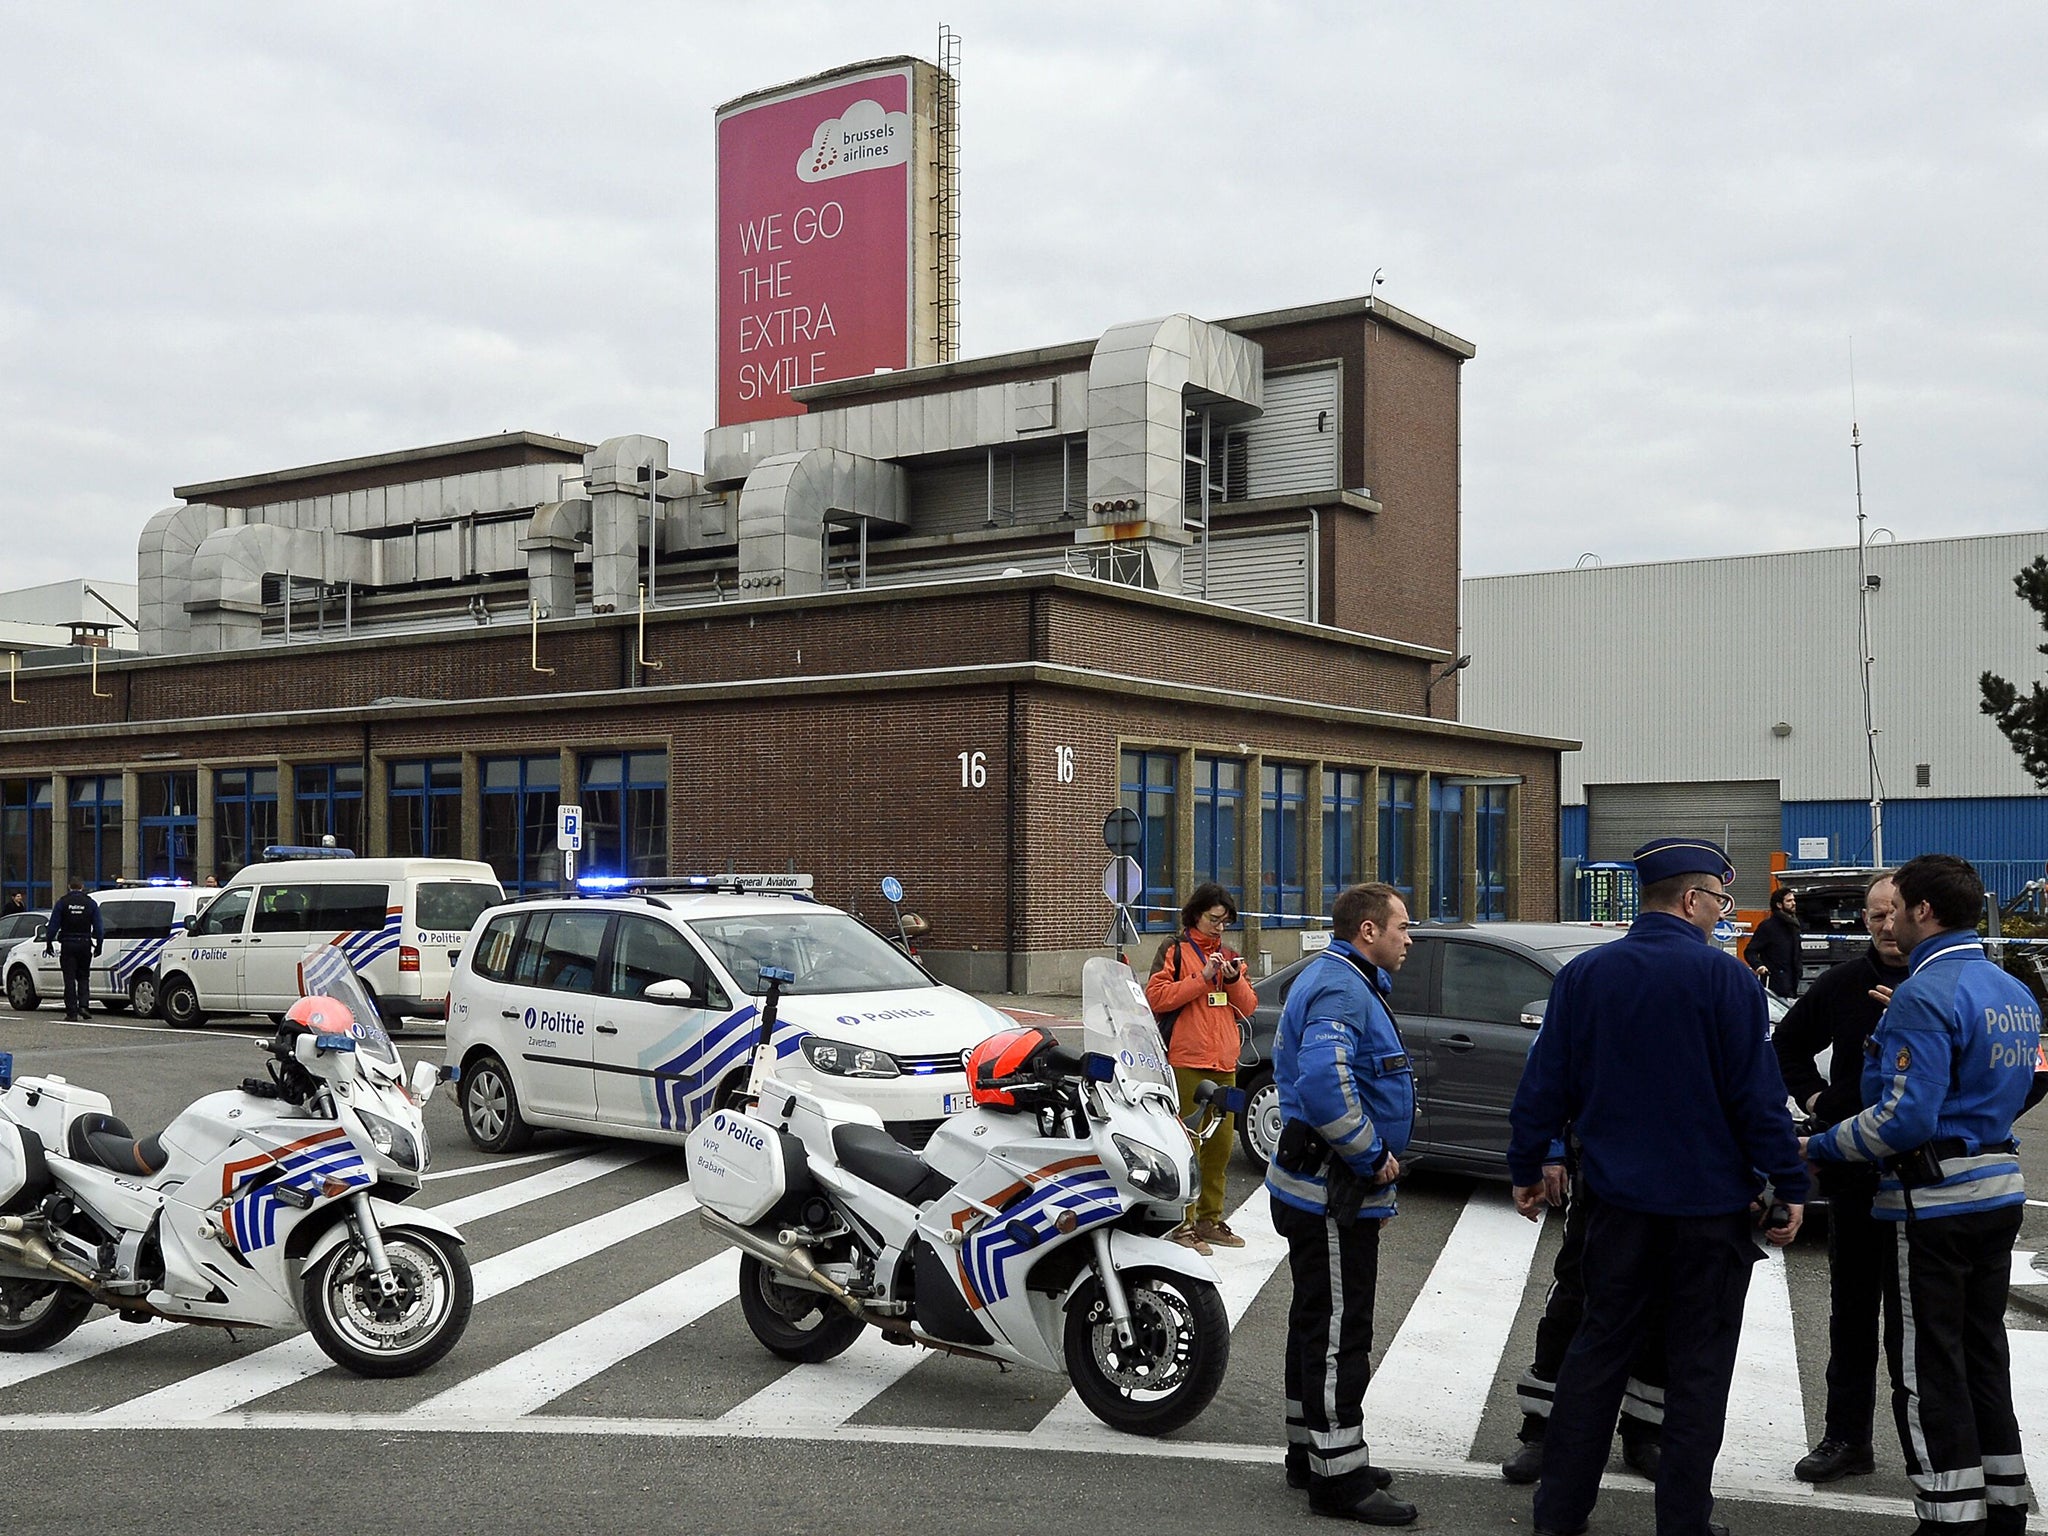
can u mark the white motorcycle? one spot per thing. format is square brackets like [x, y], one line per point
[1028, 1232]
[268, 1206]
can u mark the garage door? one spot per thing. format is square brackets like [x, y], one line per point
[1740, 814]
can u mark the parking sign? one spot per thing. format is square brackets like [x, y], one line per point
[569, 828]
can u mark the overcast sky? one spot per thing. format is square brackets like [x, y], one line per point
[240, 237]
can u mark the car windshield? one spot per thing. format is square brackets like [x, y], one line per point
[826, 952]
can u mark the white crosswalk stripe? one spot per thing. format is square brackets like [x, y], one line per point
[1766, 1409]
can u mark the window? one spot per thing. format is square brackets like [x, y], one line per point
[320, 908]
[1490, 985]
[225, 913]
[1218, 794]
[136, 919]
[520, 798]
[644, 952]
[493, 958]
[559, 950]
[244, 817]
[1446, 850]
[426, 809]
[1490, 810]
[1410, 992]
[329, 797]
[1397, 832]
[451, 906]
[96, 829]
[25, 840]
[625, 814]
[1148, 781]
[1283, 792]
[170, 823]
[1343, 832]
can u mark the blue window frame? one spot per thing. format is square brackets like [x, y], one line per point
[1446, 865]
[170, 824]
[244, 817]
[25, 834]
[1148, 783]
[1218, 794]
[1343, 832]
[426, 808]
[520, 798]
[329, 800]
[1283, 799]
[96, 829]
[1490, 809]
[1397, 832]
[625, 814]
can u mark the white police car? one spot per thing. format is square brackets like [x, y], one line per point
[138, 921]
[633, 1013]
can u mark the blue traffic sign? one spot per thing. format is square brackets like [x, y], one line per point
[892, 889]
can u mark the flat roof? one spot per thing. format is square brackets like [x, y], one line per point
[562, 446]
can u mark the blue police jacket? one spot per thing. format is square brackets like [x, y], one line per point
[75, 919]
[1656, 1050]
[1341, 1069]
[1951, 1060]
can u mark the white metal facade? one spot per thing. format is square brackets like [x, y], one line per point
[1678, 671]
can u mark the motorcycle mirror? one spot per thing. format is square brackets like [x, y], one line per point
[1098, 1068]
[426, 1077]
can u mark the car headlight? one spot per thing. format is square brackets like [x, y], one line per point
[1151, 1170]
[395, 1141]
[838, 1059]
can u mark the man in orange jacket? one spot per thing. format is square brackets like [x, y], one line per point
[1198, 982]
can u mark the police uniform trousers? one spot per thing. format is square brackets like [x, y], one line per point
[1697, 1268]
[1335, 1269]
[1945, 1342]
[1642, 1403]
[75, 958]
[1858, 1246]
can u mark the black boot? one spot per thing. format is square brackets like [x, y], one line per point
[1832, 1459]
[1526, 1465]
[1377, 1508]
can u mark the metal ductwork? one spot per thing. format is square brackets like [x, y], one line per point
[790, 498]
[1144, 377]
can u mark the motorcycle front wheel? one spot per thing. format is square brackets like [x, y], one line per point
[804, 1326]
[34, 1314]
[1172, 1369]
[400, 1335]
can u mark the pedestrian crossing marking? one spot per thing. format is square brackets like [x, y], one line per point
[2024, 1270]
[535, 1186]
[1766, 1406]
[826, 1395]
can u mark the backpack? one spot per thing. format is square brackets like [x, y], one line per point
[1166, 1020]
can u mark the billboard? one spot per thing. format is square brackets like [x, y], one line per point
[816, 237]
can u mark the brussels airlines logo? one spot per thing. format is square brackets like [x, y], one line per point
[863, 139]
[540, 1019]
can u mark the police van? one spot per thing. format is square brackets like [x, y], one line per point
[634, 1011]
[137, 920]
[400, 922]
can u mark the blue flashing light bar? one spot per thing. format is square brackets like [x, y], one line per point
[605, 882]
[277, 851]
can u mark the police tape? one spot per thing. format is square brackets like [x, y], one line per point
[1292, 919]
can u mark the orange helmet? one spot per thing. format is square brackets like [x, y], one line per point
[1002, 1063]
[322, 1015]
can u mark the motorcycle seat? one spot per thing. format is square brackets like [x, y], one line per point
[105, 1141]
[870, 1153]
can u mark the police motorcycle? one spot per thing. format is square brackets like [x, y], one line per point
[1030, 1231]
[268, 1206]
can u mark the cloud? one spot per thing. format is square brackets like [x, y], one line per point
[863, 139]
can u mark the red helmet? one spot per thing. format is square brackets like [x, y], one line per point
[1002, 1063]
[322, 1015]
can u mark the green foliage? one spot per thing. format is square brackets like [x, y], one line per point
[2024, 717]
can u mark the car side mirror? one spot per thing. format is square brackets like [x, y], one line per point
[192, 923]
[43, 932]
[1532, 1013]
[677, 993]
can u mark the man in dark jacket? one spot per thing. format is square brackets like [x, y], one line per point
[1655, 1049]
[1841, 1011]
[75, 928]
[1773, 951]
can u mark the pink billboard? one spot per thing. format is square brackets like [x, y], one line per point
[814, 215]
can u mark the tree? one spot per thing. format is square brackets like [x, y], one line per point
[2024, 718]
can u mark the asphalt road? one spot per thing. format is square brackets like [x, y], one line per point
[607, 1381]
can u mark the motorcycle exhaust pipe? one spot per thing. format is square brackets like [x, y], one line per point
[24, 1245]
[792, 1259]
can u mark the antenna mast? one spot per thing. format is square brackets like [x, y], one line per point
[1863, 632]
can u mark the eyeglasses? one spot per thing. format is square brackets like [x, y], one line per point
[1220, 918]
[1727, 902]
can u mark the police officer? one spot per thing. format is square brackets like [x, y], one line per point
[1655, 1050]
[1841, 1010]
[75, 928]
[1951, 1066]
[1347, 1101]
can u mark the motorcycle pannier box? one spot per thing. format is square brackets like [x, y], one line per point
[742, 1167]
[48, 1105]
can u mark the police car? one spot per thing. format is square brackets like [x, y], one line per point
[138, 921]
[632, 1012]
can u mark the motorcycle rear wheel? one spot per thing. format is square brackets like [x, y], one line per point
[373, 1335]
[795, 1324]
[34, 1314]
[1174, 1368]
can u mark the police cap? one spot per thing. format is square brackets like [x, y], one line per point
[1664, 857]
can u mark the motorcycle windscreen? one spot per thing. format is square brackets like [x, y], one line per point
[1117, 1022]
[324, 971]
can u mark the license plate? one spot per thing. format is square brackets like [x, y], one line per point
[1814, 946]
[955, 1102]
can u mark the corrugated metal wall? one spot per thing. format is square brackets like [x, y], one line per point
[953, 496]
[1267, 572]
[1293, 446]
[1679, 671]
[1741, 815]
[2005, 837]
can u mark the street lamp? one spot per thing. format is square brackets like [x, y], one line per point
[1445, 671]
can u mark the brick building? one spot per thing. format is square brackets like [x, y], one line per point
[936, 626]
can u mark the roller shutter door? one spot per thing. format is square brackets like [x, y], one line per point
[1266, 572]
[1743, 815]
[1293, 447]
